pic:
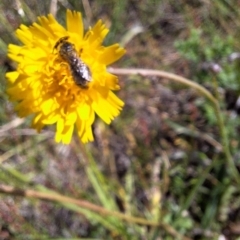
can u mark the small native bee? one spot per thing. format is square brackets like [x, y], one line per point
[79, 70]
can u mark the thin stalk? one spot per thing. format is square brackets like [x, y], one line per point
[88, 158]
[201, 90]
[55, 197]
[224, 134]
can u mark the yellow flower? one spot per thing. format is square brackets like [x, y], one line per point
[61, 76]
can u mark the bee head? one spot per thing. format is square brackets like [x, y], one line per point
[65, 49]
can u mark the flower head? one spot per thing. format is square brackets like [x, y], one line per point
[61, 76]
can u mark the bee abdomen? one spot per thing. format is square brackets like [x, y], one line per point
[81, 73]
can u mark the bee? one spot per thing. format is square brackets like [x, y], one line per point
[80, 71]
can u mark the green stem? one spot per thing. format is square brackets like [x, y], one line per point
[201, 90]
[224, 135]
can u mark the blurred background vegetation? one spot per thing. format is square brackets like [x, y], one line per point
[161, 160]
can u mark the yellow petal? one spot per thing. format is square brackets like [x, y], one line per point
[67, 134]
[12, 76]
[84, 111]
[111, 54]
[97, 33]
[107, 107]
[74, 23]
[24, 35]
[87, 136]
